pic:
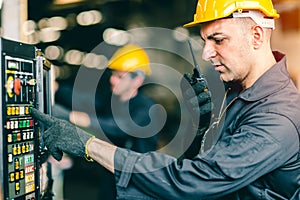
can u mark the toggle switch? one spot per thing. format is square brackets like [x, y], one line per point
[31, 82]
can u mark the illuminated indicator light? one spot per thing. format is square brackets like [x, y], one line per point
[24, 123]
[8, 111]
[21, 174]
[31, 147]
[28, 135]
[23, 148]
[8, 125]
[22, 110]
[17, 110]
[29, 178]
[26, 110]
[27, 148]
[10, 158]
[19, 149]
[17, 187]
[29, 188]
[29, 159]
[31, 135]
[14, 150]
[14, 124]
[17, 164]
[20, 124]
[9, 138]
[15, 137]
[29, 169]
[17, 176]
[24, 136]
[19, 136]
[21, 162]
[27, 123]
[13, 111]
[12, 177]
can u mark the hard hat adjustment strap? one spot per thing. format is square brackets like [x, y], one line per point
[257, 17]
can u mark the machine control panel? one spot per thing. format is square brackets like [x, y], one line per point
[19, 136]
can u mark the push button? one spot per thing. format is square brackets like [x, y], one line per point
[8, 111]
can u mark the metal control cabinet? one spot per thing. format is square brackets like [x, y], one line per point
[19, 136]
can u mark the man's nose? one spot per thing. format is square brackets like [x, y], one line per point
[209, 52]
[113, 79]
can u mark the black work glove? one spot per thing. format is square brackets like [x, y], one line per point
[197, 98]
[62, 136]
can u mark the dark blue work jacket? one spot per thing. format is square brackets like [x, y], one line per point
[256, 157]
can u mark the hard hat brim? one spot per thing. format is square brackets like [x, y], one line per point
[191, 24]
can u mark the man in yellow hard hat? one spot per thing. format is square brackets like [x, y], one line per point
[129, 67]
[256, 153]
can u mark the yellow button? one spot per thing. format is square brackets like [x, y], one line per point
[8, 111]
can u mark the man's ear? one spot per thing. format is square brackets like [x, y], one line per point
[138, 81]
[258, 36]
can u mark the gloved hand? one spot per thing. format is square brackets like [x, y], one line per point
[197, 98]
[61, 136]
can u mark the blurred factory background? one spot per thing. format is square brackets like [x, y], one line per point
[69, 32]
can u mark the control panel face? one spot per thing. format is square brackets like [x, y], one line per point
[20, 143]
[19, 127]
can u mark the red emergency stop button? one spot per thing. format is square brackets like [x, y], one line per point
[17, 86]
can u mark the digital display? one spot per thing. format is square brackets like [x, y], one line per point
[13, 65]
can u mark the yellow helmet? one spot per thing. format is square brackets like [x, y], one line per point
[209, 10]
[130, 58]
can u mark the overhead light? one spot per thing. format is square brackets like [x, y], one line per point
[53, 52]
[74, 57]
[62, 2]
[116, 37]
[49, 34]
[88, 18]
[180, 34]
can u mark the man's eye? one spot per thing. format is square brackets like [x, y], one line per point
[219, 41]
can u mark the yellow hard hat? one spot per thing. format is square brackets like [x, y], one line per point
[209, 10]
[130, 58]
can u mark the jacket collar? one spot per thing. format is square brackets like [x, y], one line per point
[276, 78]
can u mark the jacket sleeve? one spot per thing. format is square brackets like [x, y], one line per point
[255, 149]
